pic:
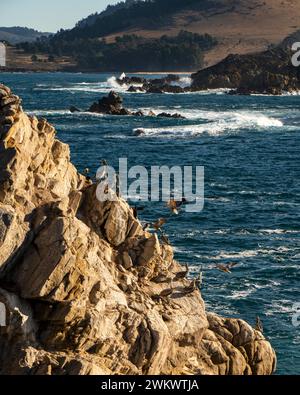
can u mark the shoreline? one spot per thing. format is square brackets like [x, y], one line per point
[96, 72]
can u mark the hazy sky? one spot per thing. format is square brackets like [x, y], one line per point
[48, 15]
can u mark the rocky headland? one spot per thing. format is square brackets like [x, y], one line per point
[85, 288]
[270, 72]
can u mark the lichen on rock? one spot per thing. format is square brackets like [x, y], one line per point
[76, 277]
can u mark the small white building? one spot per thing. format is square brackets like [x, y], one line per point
[2, 55]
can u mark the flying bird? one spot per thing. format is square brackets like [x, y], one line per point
[174, 205]
[159, 223]
[226, 268]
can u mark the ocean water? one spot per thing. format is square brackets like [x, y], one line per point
[250, 147]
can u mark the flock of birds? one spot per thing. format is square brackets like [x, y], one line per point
[175, 208]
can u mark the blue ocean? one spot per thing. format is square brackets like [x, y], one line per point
[250, 148]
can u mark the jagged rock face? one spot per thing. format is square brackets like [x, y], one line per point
[270, 72]
[77, 277]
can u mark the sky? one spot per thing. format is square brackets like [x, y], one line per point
[48, 15]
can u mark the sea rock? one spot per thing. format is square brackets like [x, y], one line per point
[269, 72]
[74, 109]
[75, 279]
[138, 132]
[135, 89]
[167, 115]
[113, 105]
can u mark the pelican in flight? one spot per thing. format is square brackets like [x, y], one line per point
[226, 268]
[159, 223]
[174, 206]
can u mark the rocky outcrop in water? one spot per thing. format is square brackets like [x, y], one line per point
[78, 278]
[166, 84]
[270, 72]
[113, 105]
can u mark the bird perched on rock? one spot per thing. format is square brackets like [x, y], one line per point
[226, 268]
[164, 238]
[166, 293]
[259, 326]
[160, 279]
[174, 205]
[118, 189]
[87, 174]
[195, 284]
[183, 274]
[146, 227]
[191, 288]
[159, 223]
[135, 211]
[102, 173]
[200, 277]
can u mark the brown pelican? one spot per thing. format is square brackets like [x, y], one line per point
[183, 274]
[146, 227]
[135, 211]
[259, 326]
[167, 292]
[86, 173]
[175, 205]
[102, 172]
[226, 268]
[191, 288]
[164, 238]
[160, 279]
[118, 191]
[159, 223]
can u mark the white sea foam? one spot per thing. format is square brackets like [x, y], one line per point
[183, 82]
[241, 294]
[213, 122]
[278, 231]
[45, 113]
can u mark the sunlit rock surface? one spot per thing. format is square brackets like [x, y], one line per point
[76, 277]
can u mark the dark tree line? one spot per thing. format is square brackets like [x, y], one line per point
[130, 52]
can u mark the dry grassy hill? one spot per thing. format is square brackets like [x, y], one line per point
[241, 26]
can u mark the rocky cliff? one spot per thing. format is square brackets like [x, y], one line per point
[269, 72]
[79, 278]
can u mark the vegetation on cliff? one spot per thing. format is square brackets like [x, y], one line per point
[129, 52]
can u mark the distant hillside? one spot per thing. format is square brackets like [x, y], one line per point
[15, 35]
[130, 53]
[146, 34]
[241, 26]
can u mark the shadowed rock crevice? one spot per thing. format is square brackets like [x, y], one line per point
[76, 277]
